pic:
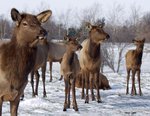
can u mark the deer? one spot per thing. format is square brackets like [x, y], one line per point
[55, 54]
[70, 70]
[90, 58]
[133, 63]
[103, 82]
[40, 62]
[17, 57]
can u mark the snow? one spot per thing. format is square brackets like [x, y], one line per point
[114, 102]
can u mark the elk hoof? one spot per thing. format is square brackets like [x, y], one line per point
[64, 109]
[75, 108]
[86, 101]
[21, 98]
[99, 101]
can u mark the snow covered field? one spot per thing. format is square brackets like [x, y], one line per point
[115, 101]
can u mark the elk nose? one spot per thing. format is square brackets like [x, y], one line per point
[43, 32]
[80, 47]
[107, 36]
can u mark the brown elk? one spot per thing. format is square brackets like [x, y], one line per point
[17, 57]
[40, 62]
[70, 69]
[90, 58]
[133, 63]
[55, 54]
[103, 82]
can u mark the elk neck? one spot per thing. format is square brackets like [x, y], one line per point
[139, 54]
[70, 56]
[94, 49]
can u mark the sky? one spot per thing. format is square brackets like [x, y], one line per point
[59, 7]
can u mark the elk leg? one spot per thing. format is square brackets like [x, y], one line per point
[61, 77]
[66, 92]
[14, 106]
[91, 87]
[1, 103]
[128, 77]
[50, 69]
[83, 86]
[37, 82]
[32, 83]
[43, 79]
[97, 87]
[133, 90]
[87, 88]
[139, 81]
[74, 102]
[22, 97]
[69, 86]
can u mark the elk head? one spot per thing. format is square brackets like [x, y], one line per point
[72, 42]
[28, 29]
[96, 32]
[139, 42]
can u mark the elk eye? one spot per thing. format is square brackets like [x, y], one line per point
[25, 24]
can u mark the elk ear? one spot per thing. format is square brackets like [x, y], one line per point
[143, 40]
[16, 16]
[88, 26]
[44, 16]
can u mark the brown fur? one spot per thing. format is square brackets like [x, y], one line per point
[90, 59]
[133, 63]
[17, 57]
[55, 54]
[103, 82]
[70, 69]
[40, 62]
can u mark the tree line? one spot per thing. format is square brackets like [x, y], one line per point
[122, 29]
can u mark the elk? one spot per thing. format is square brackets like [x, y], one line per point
[133, 63]
[55, 54]
[90, 58]
[17, 57]
[69, 70]
[103, 82]
[40, 62]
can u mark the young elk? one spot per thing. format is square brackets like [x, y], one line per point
[90, 58]
[17, 57]
[70, 69]
[133, 63]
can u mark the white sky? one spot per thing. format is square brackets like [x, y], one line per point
[58, 6]
[61, 6]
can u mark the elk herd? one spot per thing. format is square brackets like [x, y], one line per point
[28, 50]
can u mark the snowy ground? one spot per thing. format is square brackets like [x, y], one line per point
[115, 101]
